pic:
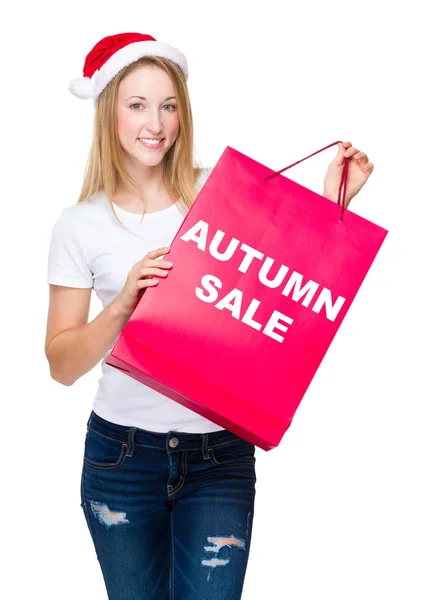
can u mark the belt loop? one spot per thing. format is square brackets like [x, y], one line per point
[205, 455]
[131, 435]
[89, 418]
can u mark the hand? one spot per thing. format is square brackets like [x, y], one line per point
[140, 277]
[359, 169]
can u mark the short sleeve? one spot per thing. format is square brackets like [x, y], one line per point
[67, 262]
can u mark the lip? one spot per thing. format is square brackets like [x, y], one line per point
[150, 146]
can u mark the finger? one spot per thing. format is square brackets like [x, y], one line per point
[158, 252]
[349, 153]
[147, 272]
[143, 283]
[347, 144]
[162, 263]
[361, 155]
[150, 263]
[368, 167]
[339, 158]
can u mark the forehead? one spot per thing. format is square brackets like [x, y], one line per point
[148, 80]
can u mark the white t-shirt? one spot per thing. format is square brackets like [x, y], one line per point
[90, 249]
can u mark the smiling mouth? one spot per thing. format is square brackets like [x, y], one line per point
[151, 139]
[151, 144]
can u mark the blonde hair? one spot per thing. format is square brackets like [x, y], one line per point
[105, 168]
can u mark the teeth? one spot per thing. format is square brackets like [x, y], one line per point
[150, 141]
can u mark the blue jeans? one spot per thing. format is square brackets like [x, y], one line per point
[170, 514]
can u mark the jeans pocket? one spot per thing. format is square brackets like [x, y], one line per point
[102, 452]
[238, 452]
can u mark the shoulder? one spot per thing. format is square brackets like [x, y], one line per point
[203, 176]
[66, 218]
[205, 171]
[76, 216]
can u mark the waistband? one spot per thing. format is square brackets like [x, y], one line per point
[172, 441]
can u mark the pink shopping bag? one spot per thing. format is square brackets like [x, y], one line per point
[264, 273]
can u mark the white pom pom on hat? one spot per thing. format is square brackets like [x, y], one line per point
[81, 87]
[113, 53]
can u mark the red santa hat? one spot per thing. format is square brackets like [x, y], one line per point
[114, 52]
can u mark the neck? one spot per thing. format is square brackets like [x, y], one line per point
[148, 178]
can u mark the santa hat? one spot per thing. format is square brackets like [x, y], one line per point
[112, 54]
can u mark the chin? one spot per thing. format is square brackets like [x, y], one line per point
[149, 159]
[151, 162]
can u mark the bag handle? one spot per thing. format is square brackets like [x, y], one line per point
[342, 185]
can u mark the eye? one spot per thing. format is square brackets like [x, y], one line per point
[166, 105]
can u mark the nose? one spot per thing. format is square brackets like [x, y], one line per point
[153, 122]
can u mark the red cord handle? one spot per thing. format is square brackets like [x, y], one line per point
[342, 186]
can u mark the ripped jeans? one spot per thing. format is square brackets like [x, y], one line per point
[170, 514]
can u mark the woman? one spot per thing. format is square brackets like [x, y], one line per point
[168, 495]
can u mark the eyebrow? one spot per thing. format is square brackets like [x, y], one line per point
[143, 98]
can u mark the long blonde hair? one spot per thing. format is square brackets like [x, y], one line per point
[105, 168]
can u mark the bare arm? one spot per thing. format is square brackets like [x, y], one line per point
[78, 346]
[74, 346]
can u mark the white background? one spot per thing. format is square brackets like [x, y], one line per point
[346, 506]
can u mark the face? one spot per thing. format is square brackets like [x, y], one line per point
[146, 108]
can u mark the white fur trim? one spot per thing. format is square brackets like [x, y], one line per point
[131, 53]
[82, 87]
